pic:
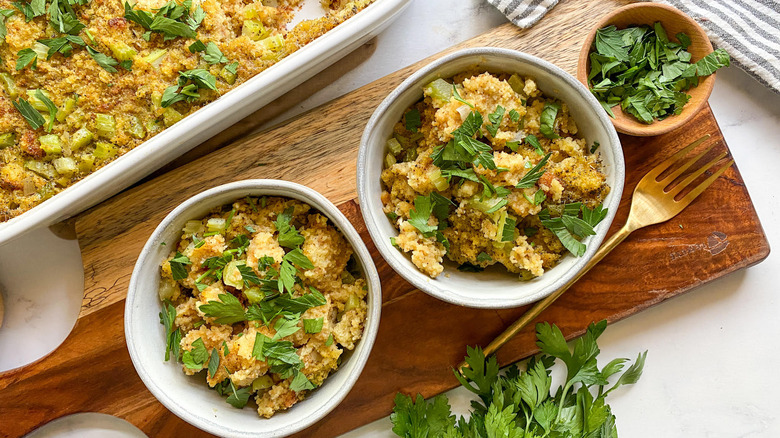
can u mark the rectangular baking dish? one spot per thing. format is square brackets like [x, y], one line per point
[209, 120]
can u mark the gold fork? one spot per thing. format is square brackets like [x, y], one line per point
[651, 204]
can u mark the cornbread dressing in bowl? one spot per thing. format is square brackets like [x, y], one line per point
[389, 187]
[326, 326]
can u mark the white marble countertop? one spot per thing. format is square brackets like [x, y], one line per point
[710, 367]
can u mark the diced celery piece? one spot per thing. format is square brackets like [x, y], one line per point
[411, 154]
[439, 89]
[45, 170]
[7, 139]
[41, 50]
[483, 205]
[215, 224]
[46, 192]
[254, 30]
[192, 227]
[67, 107]
[516, 83]
[352, 303]
[122, 51]
[389, 161]
[171, 116]
[156, 99]
[437, 180]
[104, 150]
[51, 144]
[80, 138]
[526, 275]
[394, 146]
[168, 289]
[86, 163]
[37, 103]
[135, 128]
[347, 278]
[155, 57]
[65, 166]
[9, 85]
[227, 75]
[262, 382]
[254, 295]
[231, 276]
[273, 43]
[153, 125]
[105, 125]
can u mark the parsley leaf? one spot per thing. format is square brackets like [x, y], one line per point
[288, 236]
[248, 275]
[172, 337]
[238, 398]
[420, 215]
[197, 356]
[533, 141]
[514, 116]
[715, 60]
[532, 176]
[4, 13]
[418, 419]
[547, 120]
[50, 106]
[495, 119]
[213, 55]
[31, 10]
[214, 362]
[103, 60]
[300, 383]
[412, 120]
[313, 325]
[460, 99]
[30, 114]
[226, 311]
[177, 263]
[26, 57]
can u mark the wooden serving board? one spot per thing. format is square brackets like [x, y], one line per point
[420, 338]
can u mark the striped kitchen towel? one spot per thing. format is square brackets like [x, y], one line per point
[748, 29]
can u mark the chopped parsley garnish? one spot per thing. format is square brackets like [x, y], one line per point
[532, 176]
[213, 55]
[214, 362]
[106, 62]
[50, 106]
[495, 119]
[524, 403]
[62, 45]
[288, 237]
[514, 116]
[172, 337]
[300, 383]
[329, 341]
[228, 310]
[569, 227]
[187, 86]
[457, 97]
[595, 147]
[249, 276]
[197, 356]
[30, 114]
[313, 325]
[484, 257]
[238, 398]
[547, 120]
[644, 72]
[412, 120]
[171, 21]
[178, 271]
[4, 13]
[533, 141]
[63, 18]
[538, 198]
[33, 9]
[26, 57]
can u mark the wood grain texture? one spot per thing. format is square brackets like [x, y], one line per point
[420, 338]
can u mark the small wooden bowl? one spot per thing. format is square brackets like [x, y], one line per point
[674, 21]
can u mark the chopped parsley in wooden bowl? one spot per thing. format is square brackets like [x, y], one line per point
[651, 67]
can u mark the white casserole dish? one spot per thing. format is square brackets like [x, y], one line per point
[211, 119]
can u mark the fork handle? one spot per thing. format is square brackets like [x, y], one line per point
[539, 307]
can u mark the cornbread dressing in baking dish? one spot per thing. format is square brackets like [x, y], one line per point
[487, 170]
[262, 301]
[85, 81]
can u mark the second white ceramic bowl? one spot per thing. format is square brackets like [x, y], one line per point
[492, 288]
[189, 397]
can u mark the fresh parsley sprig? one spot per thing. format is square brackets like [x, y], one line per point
[532, 176]
[568, 227]
[173, 20]
[521, 403]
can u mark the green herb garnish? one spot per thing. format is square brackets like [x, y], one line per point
[532, 176]
[412, 120]
[518, 403]
[4, 13]
[547, 120]
[644, 72]
[30, 114]
[300, 383]
[26, 57]
[495, 120]
[50, 106]
[313, 325]
[228, 310]
[533, 141]
[196, 357]
[178, 271]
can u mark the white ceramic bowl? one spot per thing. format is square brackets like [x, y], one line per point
[493, 288]
[189, 397]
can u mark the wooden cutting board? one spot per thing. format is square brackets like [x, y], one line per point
[420, 338]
